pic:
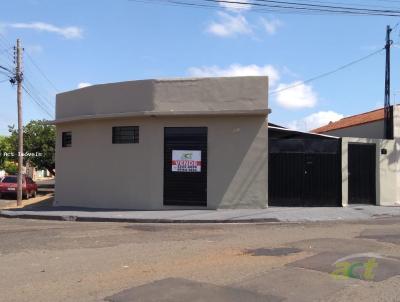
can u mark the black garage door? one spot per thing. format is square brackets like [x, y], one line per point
[304, 172]
[362, 168]
[185, 166]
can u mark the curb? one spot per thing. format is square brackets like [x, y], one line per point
[136, 220]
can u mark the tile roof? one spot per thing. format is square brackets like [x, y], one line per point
[354, 120]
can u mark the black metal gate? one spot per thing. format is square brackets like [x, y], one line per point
[185, 185]
[304, 172]
[362, 169]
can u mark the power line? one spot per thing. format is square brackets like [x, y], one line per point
[310, 4]
[286, 7]
[48, 107]
[313, 7]
[325, 74]
[6, 69]
[42, 102]
[42, 72]
[5, 73]
[187, 4]
[36, 101]
[7, 45]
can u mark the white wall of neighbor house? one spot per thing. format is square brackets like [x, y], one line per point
[368, 130]
[387, 170]
[396, 122]
[95, 173]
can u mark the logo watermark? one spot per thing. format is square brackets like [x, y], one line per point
[358, 266]
[25, 154]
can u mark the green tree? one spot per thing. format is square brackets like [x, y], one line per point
[5, 149]
[10, 167]
[39, 144]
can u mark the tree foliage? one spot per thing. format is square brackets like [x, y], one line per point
[39, 144]
[10, 167]
[5, 149]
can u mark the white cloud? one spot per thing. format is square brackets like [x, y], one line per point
[298, 96]
[236, 70]
[69, 32]
[229, 26]
[2, 28]
[315, 120]
[84, 84]
[242, 6]
[271, 25]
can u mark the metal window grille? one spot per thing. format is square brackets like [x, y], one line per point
[67, 139]
[125, 135]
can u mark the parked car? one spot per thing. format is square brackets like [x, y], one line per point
[8, 186]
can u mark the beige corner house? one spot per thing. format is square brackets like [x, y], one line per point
[164, 144]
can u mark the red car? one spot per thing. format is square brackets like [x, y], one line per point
[8, 186]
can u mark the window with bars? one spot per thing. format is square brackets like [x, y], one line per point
[125, 135]
[67, 139]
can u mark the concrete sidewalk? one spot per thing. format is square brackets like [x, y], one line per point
[272, 214]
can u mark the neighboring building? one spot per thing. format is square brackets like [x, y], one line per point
[304, 168]
[369, 124]
[164, 144]
[370, 163]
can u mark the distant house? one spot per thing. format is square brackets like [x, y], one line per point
[369, 125]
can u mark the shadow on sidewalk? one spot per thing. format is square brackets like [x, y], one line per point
[43, 205]
[46, 205]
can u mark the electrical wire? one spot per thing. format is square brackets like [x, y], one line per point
[287, 6]
[310, 4]
[42, 72]
[36, 101]
[6, 69]
[38, 98]
[325, 74]
[312, 7]
[44, 101]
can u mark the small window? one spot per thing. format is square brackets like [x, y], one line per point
[125, 135]
[67, 139]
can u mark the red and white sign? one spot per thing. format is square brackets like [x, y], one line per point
[186, 161]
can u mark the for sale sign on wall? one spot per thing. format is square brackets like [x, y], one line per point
[186, 161]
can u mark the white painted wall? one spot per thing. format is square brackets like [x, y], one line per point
[387, 170]
[369, 130]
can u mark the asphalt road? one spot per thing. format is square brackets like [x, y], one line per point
[82, 261]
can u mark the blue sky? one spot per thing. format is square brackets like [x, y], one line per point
[102, 41]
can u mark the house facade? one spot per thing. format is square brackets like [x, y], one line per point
[163, 144]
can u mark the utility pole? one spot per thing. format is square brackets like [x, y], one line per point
[19, 78]
[388, 122]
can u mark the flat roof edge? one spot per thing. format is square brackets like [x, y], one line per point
[257, 112]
